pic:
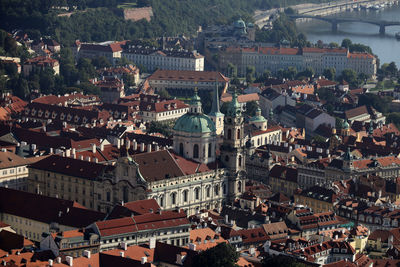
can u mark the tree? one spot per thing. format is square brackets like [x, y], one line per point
[22, 89]
[330, 73]
[307, 73]
[346, 43]
[251, 108]
[47, 82]
[394, 118]
[380, 103]
[101, 62]
[163, 93]
[350, 76]
[222, 255]
[333, 45]
[160, 127]
[232, 70]
[250, 74]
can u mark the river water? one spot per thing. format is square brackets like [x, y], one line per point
[386, 46]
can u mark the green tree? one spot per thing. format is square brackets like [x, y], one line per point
[394, 117]
[350, 76]
[164, 93]
[160, 127]
[307, 73]
[330, 73]
[232, 70]
[22, 89]
[251, 108]
[47, 81]
[250, 74]
[333, 45]
[101, 62]
[346, 43]
[222, 255]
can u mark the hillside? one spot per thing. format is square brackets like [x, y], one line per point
[103, 20]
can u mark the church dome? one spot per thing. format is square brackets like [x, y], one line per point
[239, 24]
[258, 117]
[194, 123]
[345, 125]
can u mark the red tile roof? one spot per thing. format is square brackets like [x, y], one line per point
[187, 75]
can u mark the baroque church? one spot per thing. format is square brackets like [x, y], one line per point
[205, 169]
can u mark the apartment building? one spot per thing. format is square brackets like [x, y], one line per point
[167, 59]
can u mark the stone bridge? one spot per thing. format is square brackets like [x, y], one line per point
[334, 21]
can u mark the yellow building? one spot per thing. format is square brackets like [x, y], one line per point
[283, 179]
[317, 198]
[358, 238]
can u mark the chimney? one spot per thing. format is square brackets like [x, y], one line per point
[144, 260]
[81, 157]
[50, 262]
[152, 242]
[68, 153]
[101, 146]
[96, 160]
[70, 260]
[58, 260]
[128, 144]
[121, 254]
[93, 148]
[33, 146]
[86, 253]
[157, 148]
[88, 158]
[124, 246]
[252, 252]
[149, 148]
[118, 143]
[3, 150]
[51, 150]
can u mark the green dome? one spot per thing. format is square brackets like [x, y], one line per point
[258, 119]
[194, 123]
[239, 24]
[346, 125]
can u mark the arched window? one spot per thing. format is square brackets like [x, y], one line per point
[197, 193]
[239, 186]
[161, 201]
[108, 197]
[125, 194]
[238, 134]
[208, 191]
[185, 196]
[224, 188]
[173, 198]
[216, 190]
[209, 150]
[181, 149]
[196, 151]
[229, 134]
[240, 161]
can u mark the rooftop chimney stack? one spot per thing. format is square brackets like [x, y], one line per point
[70, 260]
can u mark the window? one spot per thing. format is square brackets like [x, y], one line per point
[161, 202]
[197, 193]
[216, 190]
[181, 149]
[239, 186]
[209, 150]
[229, 134]
[208, 191]
[240, 161]
[185, 196]
[108, 196]
[173, 198]
[196, 151]
[238, 134]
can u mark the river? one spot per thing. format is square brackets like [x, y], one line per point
[386, 46]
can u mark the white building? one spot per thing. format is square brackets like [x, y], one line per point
[152, 58]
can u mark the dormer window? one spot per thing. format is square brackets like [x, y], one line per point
[62, 116]
[69, 117]
[27, 111]
[46, 114]
[76, 119]
[53, 115]
[84, 120]
[33, 112]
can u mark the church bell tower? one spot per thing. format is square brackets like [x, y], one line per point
[233, 151]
